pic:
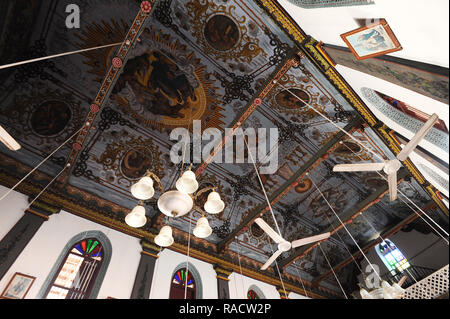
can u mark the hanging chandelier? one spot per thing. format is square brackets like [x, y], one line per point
[174, 203]
[386, 291]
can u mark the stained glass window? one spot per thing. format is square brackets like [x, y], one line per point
[251, 294]
[182, 279]
[77, 273]
[392, 257]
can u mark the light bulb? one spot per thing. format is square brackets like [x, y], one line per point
[136, 218]
[143, 189]
[164, 238]
[187, 183]
[214, 204]
[202, 230]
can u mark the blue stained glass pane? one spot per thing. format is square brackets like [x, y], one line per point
[178, 278]
[190, 282]
[78, 247]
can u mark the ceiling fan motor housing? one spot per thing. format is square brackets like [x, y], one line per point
[392, 166]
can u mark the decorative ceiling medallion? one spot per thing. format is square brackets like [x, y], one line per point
[50, 116]
[303, 186]
[100, 60]
[221, 33]
[289, 101]
[164, 86]
[130, 159]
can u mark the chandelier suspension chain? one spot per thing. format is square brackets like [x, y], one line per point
[400, 192]
[240, 267]
[187, 260]
[346, 248]
[362, 252]
[278, 269]
[40, 164]
[57, 55]
[45, 188]
[155, 271]
[329, 120]
[301, 281]
[262, 186]
[359, 143]
[320, 246]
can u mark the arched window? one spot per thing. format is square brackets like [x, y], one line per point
[255, 293]
[80, 268]
[78, 272]
[392, 257]
[251, 294]
[180, 280]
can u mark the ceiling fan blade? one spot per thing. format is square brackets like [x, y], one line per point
[269, 231]
[417, 138]
[271, 260]
[365, 167]
[392, 179]
[309, 240]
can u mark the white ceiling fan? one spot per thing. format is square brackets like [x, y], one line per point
[284, 245]
[391, 167]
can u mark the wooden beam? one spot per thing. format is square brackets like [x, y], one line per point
[271, 82]
[385, 234]
[292, 182]
[346, 217]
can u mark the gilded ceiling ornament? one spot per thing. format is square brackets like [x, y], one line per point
[285, 98]
[221, 33]
[164, 86]
[130, 159]
[47, 117]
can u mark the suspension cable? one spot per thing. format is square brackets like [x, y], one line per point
[320, 246]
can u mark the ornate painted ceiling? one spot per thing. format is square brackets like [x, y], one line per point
[199, 60]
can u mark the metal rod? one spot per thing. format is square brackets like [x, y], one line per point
[56, 56]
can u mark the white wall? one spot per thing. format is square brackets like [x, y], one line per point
[239, 286]
[41, 253]
[420, 26]
[11, 210]
[165, 267]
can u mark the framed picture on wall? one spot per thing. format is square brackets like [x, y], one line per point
[372, 40]
[18, 286]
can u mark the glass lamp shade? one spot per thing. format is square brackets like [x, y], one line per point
[387, 290]
[365, 294]
[187, 183]
[164, 238]
[136, 218]
[175, 203]
[143, 189]
[398, 290]
[202, 230]
[214, 205]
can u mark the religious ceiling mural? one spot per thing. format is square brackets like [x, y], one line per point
[195, 60]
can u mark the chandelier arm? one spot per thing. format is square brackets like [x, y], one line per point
[157, 180]
[199, 210]
[200, 192]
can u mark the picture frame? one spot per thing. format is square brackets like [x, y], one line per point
[18, 286]
[372, 40]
